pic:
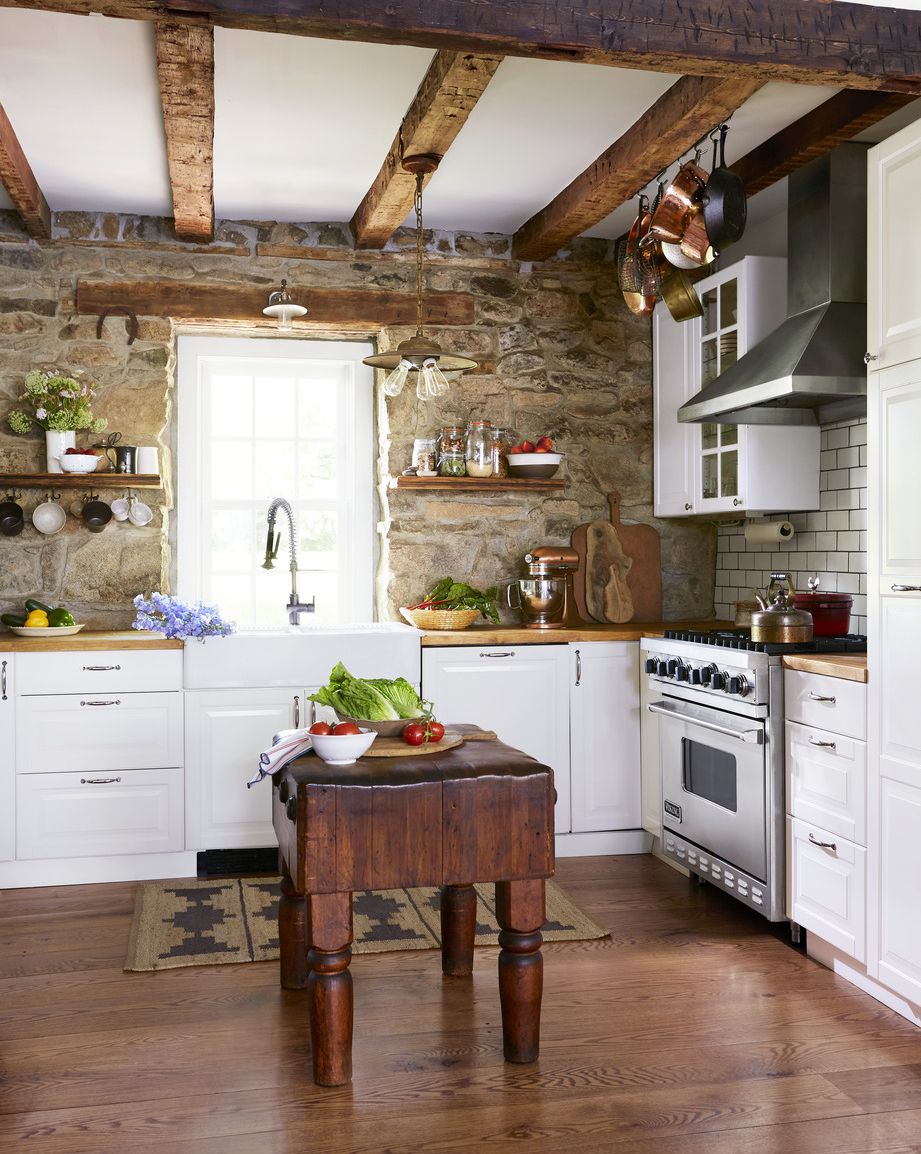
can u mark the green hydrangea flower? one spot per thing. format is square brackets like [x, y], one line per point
[60, 402]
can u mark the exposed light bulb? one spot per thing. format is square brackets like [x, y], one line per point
[393, 385]
[432, 382]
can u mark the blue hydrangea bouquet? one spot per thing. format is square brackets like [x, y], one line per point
[163, 614]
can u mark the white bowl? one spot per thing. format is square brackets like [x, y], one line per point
[78, 462]
[48, 517]
[534, 465]
[41, 631]
[342, 748]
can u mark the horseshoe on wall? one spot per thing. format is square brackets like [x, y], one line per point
[132, 321]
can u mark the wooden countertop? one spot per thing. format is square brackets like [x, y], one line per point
[519, 635]
[89, 640]
[849, 666]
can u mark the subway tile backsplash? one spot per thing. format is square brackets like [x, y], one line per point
[830, 543]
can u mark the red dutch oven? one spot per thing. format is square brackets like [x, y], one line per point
[831, 612]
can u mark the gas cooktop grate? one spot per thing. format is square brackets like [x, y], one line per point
[741, 639]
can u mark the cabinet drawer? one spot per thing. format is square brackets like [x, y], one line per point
[829, 703]
[102, 671]
[827, 885]
[90, 815]
[827, 780]
[99, 732]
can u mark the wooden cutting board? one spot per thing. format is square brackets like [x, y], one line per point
[397, 747]
[619, 577]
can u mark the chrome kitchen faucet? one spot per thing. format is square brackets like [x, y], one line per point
[295, 606]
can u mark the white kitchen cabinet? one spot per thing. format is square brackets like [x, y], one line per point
[572, 706]
[7, 754]
[894, 250]
[522, 692]
[604, 741]
[225, 731]
[711, 468]
[826, 886]
[650, 765]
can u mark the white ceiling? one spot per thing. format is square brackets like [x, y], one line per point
[302, 125]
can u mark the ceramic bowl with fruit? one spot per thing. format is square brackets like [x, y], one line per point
[536, 460]
[340, 744]
[78, 461]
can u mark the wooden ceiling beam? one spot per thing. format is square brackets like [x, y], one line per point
[848, 44]
[185, 65]
[677, 120]
[362, 309]
[455, 81]
[838, 119]
[18, 179]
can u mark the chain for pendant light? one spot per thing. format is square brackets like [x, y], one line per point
[417, 205]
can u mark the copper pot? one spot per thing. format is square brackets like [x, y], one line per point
[640, 298]
[684, 193]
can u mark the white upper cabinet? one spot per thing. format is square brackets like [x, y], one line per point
[711, 468]
[894, 250]
[7, 751]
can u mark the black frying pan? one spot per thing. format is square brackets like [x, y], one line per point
[724, 204]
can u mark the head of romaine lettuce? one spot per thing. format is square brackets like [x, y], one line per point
[375, 699]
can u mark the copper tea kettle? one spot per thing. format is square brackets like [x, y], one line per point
[778, 621]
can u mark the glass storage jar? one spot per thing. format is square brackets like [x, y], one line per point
[501, 442]
[424, 457]
[452, 464]
[479, 449]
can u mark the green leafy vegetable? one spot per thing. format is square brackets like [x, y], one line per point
[450, 594]
[374, 699]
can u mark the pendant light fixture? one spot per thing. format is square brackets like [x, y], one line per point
[282, 306]
[419, 358]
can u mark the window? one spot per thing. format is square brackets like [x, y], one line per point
[259, 419]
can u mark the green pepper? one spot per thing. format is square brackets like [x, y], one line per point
[60, 616]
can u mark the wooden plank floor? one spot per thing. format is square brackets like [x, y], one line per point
[695, 1030]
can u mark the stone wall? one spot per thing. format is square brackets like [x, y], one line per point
[558, 354]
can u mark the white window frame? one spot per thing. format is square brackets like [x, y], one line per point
[356, 501]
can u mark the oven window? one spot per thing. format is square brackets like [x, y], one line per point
[709, 773]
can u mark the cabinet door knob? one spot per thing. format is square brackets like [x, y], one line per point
[867, 357]
[737, 500]
[687, 506]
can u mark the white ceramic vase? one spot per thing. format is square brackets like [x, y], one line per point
[55, 444]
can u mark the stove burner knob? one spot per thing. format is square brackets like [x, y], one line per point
[651, 665]
[695, 676]
[682, 673]
[673, 666]
[662, 668]
[706, 674]
[738, 685]
[718, 680]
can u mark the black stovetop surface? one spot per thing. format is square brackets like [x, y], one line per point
[741, 639]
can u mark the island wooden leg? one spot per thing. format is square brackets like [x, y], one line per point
[293, 936]
[330, 987]
[520, 913]
[458, 930]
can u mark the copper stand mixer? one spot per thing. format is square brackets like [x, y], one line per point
[545, 596]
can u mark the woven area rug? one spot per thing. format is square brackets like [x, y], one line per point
[202, 923]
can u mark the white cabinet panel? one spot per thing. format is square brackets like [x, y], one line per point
[897, 430]
[62, 815]
[7, 755]
[101, 671]
[651, 784]
[827, 780]
[677, 445]
[899, 946]
[604, 736]
[898, 680]
[827, 886]
[226, 730]
[108, 731]
[521, 692]
[829, 703]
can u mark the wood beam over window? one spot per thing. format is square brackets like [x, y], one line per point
[449, 90]
[18, 179]
[677, 120]
[849, 44]
[185, 64]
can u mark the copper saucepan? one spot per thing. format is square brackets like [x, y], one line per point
[685, 191]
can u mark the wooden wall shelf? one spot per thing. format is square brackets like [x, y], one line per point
[480, 484]
[80, 481]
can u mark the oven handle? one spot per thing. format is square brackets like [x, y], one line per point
[750, 736]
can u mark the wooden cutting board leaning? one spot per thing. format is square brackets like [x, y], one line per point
[619, 577]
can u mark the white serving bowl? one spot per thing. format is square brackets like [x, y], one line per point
[78, 462]
[534, 465]
[342, 748]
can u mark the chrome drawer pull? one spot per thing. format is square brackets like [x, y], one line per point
[100, 668]
[824, 844]
[99, 780]
[3, 682]
[503, 653]
[905, 588]
[115, 702]
[297, 712]
[822, 744]
[578, 667]
[819, 697]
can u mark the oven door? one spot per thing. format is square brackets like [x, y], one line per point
[714, 782]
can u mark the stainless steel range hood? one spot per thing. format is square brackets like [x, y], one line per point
[810, 370]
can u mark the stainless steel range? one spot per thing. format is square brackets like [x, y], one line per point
[719, 698]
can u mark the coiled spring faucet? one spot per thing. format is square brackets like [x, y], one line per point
[295, 606]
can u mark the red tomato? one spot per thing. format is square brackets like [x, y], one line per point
[345, 727]
[436, 731]
[320, 727]
[541, 449]
[516, 449]
[414, 734]
[545, 444]
[527, 446]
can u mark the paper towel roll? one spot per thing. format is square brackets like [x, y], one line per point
[768, 532]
